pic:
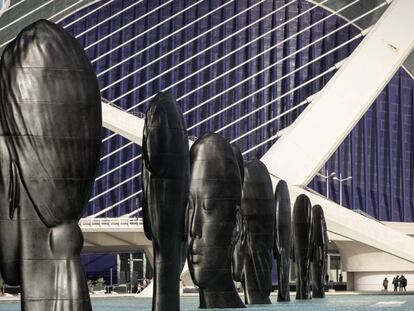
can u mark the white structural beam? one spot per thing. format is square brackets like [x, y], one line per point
[122, 123]
[355, 227]
[325, 123]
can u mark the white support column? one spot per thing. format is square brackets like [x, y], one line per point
[325, 123]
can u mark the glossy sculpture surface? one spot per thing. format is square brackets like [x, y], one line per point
[50, 146]
[237, 263]
[302, 239]
[283, 239]
[239, 158]
[215, 193]
[255, 255]
[165, 174]
[320, 252]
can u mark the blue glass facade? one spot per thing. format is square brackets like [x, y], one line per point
[99, 265]
[379, 155]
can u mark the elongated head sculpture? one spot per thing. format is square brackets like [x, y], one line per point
[320, 252]
[283, 239]
[51, 122]
[239, 158]
[255, 255]
[166, 172]
[215, 193]
[302, 239]
[237, 264]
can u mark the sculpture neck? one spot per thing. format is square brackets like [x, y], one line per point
[302, 281]
[256, 292]
[222, 294]
[283, 267]
[166, 293]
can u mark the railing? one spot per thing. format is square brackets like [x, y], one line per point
[120, 222]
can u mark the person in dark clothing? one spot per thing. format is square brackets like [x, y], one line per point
[395, 282]
[403, 283]
[385, 284]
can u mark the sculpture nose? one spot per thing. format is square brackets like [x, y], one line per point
[195, 226]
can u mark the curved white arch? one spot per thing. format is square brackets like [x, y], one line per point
[327, 8]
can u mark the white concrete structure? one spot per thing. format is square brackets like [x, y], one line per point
[122, 123]
[115, 234]
[326, 122]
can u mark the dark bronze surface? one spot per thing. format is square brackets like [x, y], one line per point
[215, 193]
[239, 158]
[320, 252]
[283, 239]
[254, 254]
[302, 242]
[50, 146]
[165, 174]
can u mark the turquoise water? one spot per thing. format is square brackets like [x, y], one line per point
[331, 303]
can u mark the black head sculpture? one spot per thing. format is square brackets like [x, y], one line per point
[302, 243]
[215, 193]
[239, 158]
[255, 254]
[283, 239]
[237, 264]
[320, 252]
[51, 125]
[166, 172]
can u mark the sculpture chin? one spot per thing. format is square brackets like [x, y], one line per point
[206, 270]
[201, 278]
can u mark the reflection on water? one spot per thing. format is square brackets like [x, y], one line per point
[330, 303]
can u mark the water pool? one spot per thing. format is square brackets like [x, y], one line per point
[331, 303]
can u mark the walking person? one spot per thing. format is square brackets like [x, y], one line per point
[403, 284]
[395, 282]
[385, 284]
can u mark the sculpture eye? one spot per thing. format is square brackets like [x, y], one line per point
[208, 206]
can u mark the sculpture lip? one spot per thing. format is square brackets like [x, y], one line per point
[194, 253]
[195, 258]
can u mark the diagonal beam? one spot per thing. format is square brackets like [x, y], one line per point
[324, 124]
[125, 124]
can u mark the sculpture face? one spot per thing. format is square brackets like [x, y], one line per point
[302, 234]
[240, 230]
[166, 185]
[283, 239]
[51, 119]
[258, 209]
[240, 248]
[215, 192]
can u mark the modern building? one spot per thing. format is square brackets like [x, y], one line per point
[261, 73]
